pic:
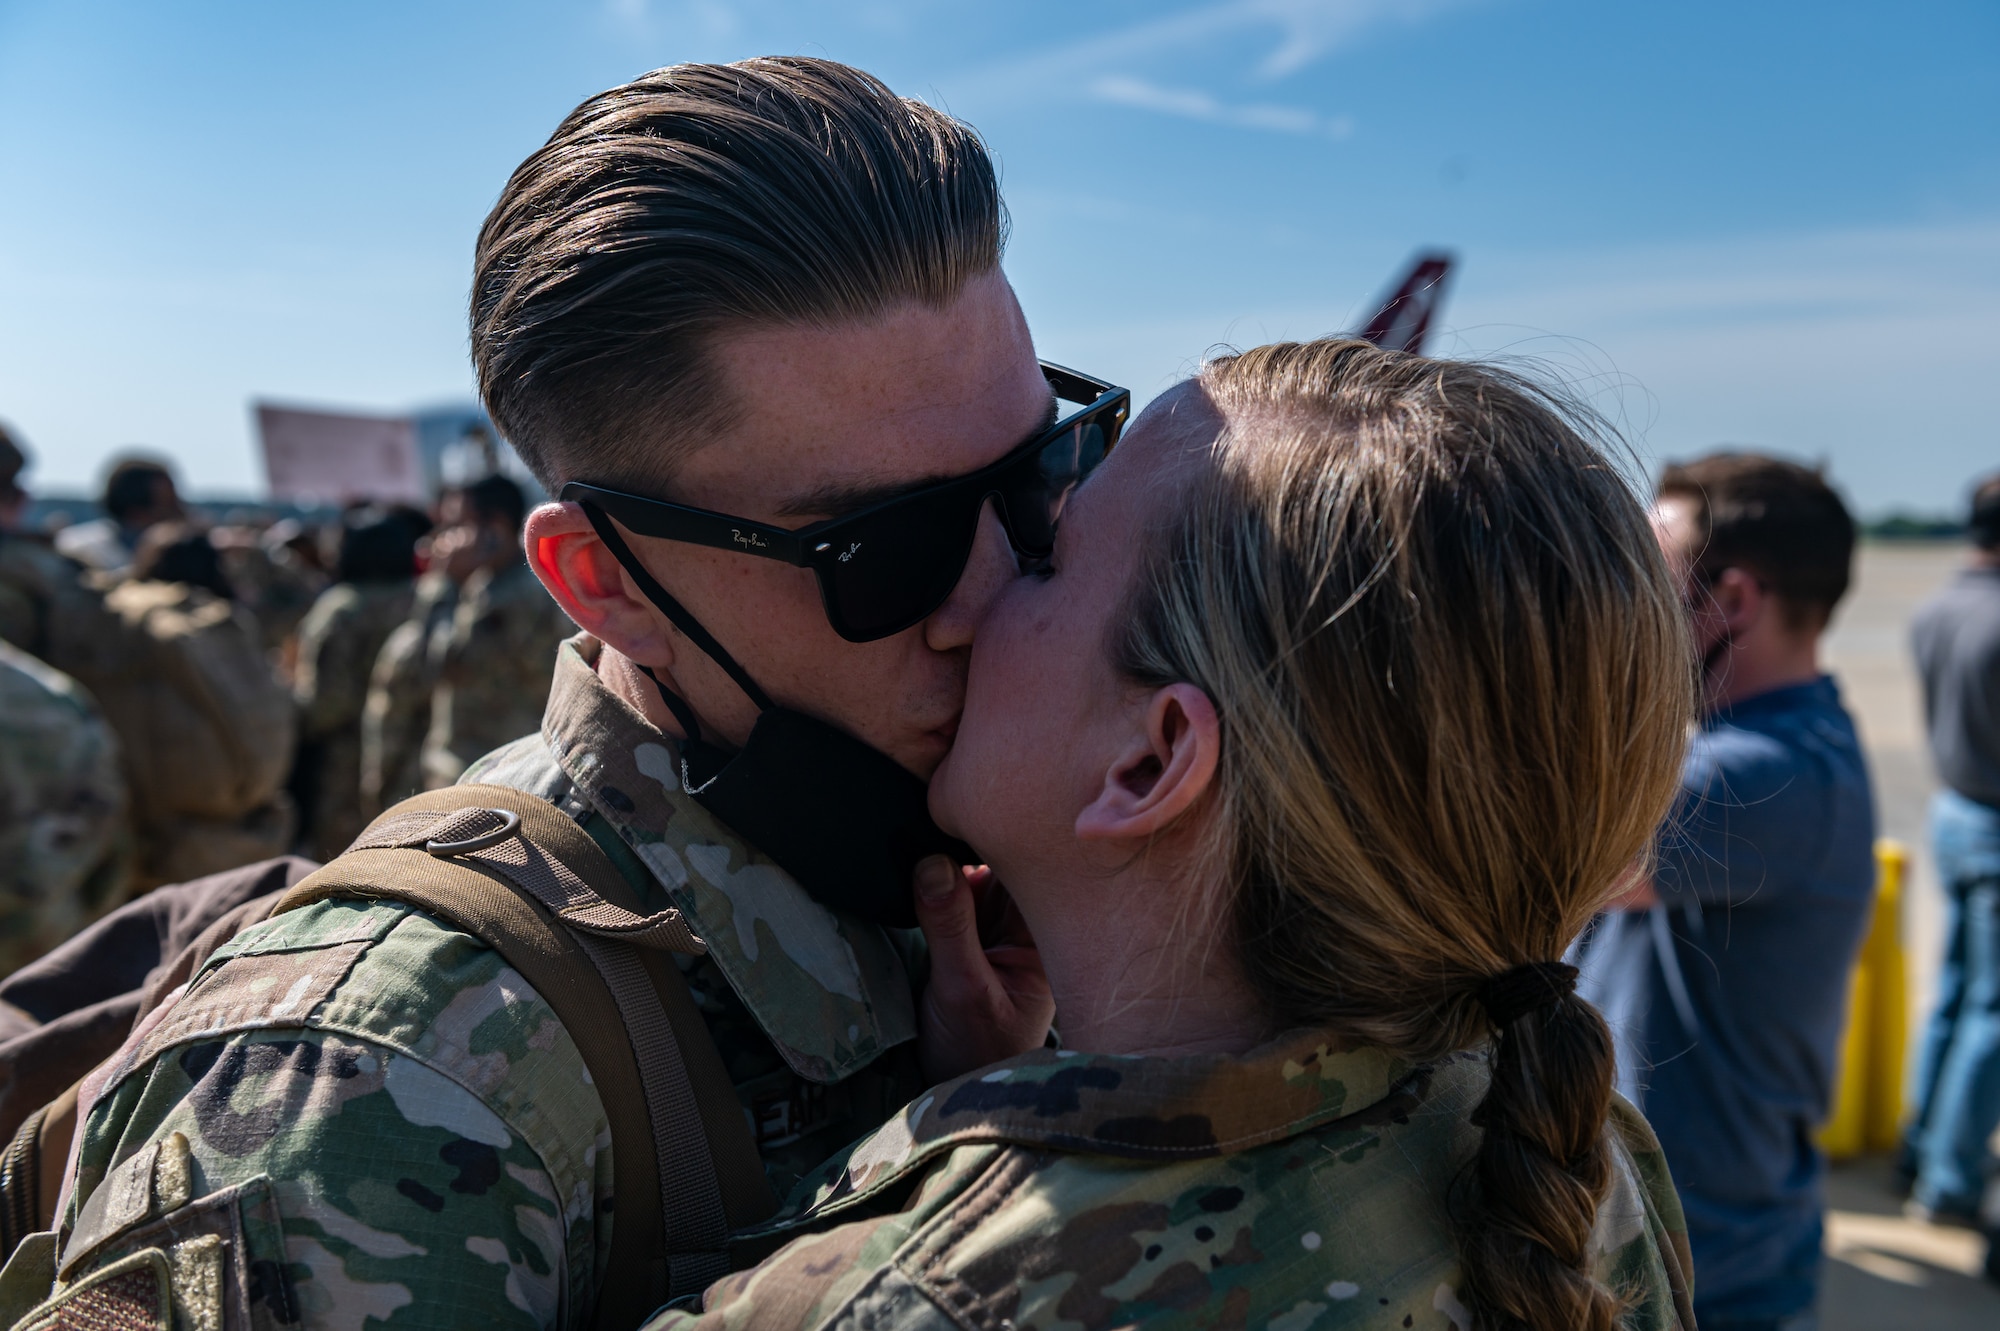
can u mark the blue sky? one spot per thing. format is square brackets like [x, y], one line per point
[1764, 224]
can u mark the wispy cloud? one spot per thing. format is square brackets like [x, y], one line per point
[1311, 30]
[1304, 32]
[1112, 66]
[1195, 104]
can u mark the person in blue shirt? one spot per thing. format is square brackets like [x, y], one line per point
[1724, 973]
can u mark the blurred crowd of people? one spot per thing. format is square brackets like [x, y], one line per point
[178, 698]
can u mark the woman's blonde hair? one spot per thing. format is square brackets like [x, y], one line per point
[1454, 686]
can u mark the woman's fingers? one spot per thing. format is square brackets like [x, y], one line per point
[949, 917]
[987, 997]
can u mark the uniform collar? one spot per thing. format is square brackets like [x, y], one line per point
[830, 990]
[1137, 1108]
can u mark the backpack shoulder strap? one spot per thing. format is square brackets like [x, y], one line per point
[518, 874]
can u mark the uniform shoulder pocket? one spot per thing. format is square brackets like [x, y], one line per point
[219, 1256]
[134, 1293]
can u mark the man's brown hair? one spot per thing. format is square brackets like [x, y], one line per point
[1983, 522]
[13, 461]
[694, 199]
[134, 486]
[1773, 518]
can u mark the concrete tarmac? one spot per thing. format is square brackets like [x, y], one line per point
[1883, 1270]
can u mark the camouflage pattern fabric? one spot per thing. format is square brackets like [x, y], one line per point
[62, 809]
[1296, 1188]
[434, 1152]
[206, 728]
[437, 1154]
[492, 668]
[24, 593]
[397, 714]
[278, 588]
[37, 586]
[339, 640]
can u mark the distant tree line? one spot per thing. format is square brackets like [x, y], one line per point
[1904, 526]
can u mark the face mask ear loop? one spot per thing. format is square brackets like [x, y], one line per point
[691, 628]
[672, 609]
[689, 722]
[690, 727]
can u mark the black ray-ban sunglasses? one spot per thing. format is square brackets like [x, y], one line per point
[892, 564]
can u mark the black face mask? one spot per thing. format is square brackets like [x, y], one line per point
[847, 821]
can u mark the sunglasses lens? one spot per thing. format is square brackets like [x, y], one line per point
[1037, 496]
[888, 571]
[884, 571]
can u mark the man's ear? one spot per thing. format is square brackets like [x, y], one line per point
[1740, 598]
[1161, 774]
[588, 583]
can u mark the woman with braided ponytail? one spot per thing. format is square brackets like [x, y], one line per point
[1355, 686]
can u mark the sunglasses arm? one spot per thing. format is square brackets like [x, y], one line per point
[694, 526]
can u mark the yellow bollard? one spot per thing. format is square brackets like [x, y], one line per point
[1888, 999]
[1868, 1103]
[1845, 1134]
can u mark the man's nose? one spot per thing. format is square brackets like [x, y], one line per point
[990, 567]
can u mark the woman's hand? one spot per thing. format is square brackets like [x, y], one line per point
[987, 998]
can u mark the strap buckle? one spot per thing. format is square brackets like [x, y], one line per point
[510, 825]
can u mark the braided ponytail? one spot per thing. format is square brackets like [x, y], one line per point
[1541, 1171]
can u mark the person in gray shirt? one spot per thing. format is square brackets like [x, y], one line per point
[1956, 635]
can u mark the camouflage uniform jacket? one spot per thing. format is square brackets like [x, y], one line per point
[278, 587]
[492, 668]
[404, 1127]
[397, 715]
[1294, 1189]
[62, 809]
[339, 640]
[37, 586]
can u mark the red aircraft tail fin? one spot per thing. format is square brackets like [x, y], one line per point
[1405, 317]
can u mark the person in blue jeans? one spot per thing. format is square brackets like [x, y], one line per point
[1956, 636]
[1724, 974]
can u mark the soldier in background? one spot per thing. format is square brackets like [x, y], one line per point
[206, 728]
[180, 552]
[338, 643]
[270, 577]
[397, 715]
[36, 583]
[63, 844]
[138, 495]
[494, 663]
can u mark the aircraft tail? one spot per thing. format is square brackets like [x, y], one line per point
[1405, 316]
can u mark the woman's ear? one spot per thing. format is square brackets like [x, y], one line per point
[588, 583]
[1166, 768]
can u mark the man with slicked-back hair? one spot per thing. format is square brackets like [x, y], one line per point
[769, 293]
